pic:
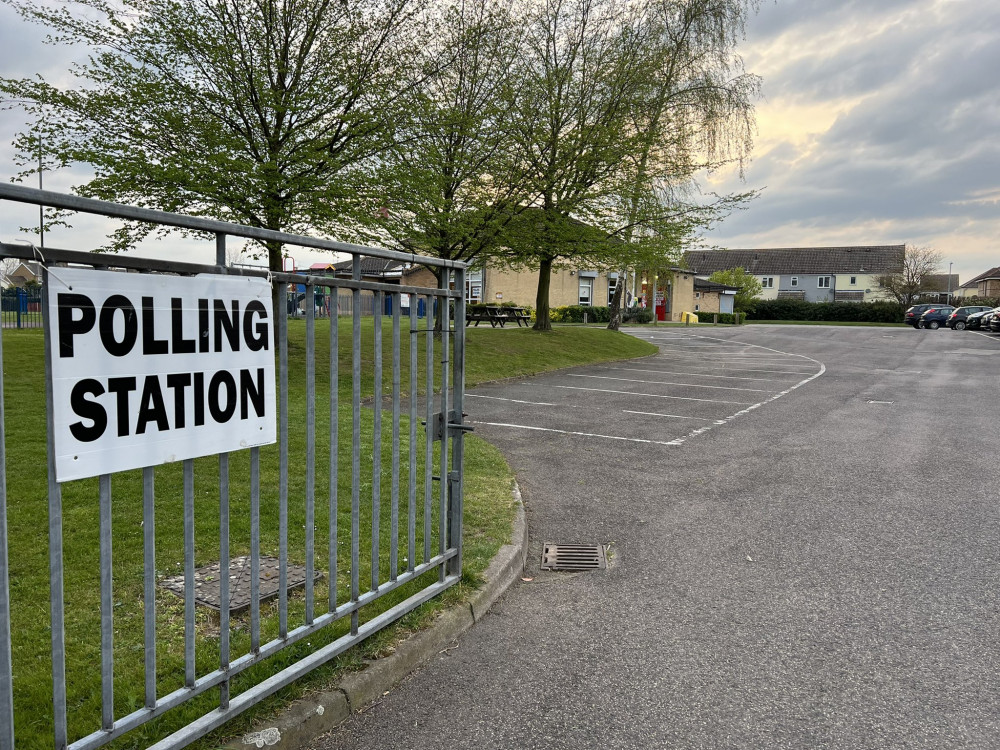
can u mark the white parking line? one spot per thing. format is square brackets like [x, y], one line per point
[772, 372]
[692, 374]
[663, 382]
[673, 416]
[980, 333]
[512, 400]
[581, 434]
[649, 395]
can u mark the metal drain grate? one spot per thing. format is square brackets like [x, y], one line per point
[208, 593]
[573, 557]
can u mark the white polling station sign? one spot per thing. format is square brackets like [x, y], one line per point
[149, 368]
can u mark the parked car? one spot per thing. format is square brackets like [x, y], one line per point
[995, 320]
[935, 316]
[956, 321]
[912, 315]
[975, 321]
[987, 318]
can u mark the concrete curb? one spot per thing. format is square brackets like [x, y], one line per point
[303, 721]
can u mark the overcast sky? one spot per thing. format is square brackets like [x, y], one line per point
[880, 124]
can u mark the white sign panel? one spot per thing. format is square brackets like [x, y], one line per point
[148, 369]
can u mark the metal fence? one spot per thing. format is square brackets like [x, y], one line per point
[21, 308]
[358, 505]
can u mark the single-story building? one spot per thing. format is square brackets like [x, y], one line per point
[712, 297]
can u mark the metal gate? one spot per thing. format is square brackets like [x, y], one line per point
[350, 522]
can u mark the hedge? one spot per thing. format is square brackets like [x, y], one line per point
[855, 312]
[575, 313]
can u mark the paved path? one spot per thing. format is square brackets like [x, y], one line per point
[805, 541]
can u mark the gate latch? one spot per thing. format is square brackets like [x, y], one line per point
[454, 425]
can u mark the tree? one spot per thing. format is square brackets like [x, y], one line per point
[454, 183]
[696, 113]
[260, 113]
[749, 287]
[578, 76]
[919, 264]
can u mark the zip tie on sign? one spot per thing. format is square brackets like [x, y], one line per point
[41, 261]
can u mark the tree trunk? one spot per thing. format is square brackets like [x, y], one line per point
[616, 301]
[542, 321]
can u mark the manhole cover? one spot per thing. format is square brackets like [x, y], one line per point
[573, 557]
[206, 582]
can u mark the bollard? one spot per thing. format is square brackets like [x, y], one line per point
[715, 319]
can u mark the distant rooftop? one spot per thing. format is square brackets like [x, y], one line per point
[805, 260]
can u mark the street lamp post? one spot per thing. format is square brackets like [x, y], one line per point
[949, 283]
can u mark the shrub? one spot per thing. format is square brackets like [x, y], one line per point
[575, 313]
[637, 315]
[724, 318]
[855, 312]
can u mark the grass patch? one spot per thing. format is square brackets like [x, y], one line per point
[491, 354]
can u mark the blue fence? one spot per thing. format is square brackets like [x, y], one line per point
[21, 308]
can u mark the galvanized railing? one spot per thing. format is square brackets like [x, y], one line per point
[242, 658]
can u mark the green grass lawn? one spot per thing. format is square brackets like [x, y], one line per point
[491, 355]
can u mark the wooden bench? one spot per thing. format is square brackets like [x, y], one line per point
[497, 316]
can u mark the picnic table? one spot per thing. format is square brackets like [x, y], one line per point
[496, 315]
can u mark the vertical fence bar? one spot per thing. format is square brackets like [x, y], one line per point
[334, 449]
[224, 577]
[149, 583]
[189, 624]
[107, 608]
[377, 442]
[310, 447]
[283, 478]
[411, 507]
[429, 427]
[445, 467]
[356, 440]
[56, 597]
[394, 491]
[220, 249]
[255, 548]
[6, 659]
[456, 486]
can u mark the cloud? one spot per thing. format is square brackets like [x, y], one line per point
[879, 126]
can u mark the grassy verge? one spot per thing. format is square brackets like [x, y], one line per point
[491, 354]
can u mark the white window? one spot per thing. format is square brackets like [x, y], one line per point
[697, 308]
[697, 295]
[767, 282]
[586, 291]
[612, 287]
[795, 280]
[474, 286]
[823, 282]
[854, 281]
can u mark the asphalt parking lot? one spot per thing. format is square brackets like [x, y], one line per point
[697, 382]
[811, 562]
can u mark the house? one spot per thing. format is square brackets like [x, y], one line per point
[813, 274]
[986, 284]
[939, 287]
[25, 273]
